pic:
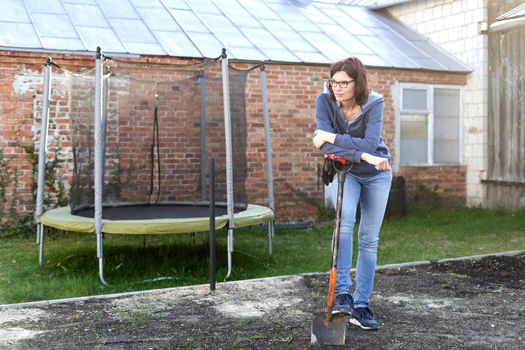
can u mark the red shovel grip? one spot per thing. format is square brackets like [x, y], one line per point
[335, 158]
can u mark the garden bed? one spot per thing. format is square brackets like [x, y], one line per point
[468, 303]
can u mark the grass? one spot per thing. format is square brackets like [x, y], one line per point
[71, 267]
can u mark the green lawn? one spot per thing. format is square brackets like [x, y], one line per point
[71, 267]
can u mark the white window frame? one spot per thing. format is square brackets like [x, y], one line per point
[398, 104]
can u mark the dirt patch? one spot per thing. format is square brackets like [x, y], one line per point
[447, 305]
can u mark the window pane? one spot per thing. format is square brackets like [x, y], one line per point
[414, 139]
[446, 126]
[446, 102]
[414, 99]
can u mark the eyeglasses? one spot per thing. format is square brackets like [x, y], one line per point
[342, 84]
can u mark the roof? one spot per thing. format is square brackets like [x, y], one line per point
[255, 30]
[514, 18]
[372, 4]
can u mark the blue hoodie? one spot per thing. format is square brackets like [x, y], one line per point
[363, 134]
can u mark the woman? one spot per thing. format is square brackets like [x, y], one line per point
[349, 119]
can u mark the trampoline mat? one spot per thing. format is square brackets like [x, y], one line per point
[151, 212]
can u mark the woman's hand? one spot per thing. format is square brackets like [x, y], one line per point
[380, 163]
[321, 137]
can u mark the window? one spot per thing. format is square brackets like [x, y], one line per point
[429, 125]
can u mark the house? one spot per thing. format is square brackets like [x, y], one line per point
[488, 36]
[434, 120]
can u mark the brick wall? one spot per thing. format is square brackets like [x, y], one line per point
[456, 26]
[291, 94]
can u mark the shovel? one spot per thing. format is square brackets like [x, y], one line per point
[328, 329]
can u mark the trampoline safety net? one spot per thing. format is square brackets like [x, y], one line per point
[160, 130]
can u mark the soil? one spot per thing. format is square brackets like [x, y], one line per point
[460, 304]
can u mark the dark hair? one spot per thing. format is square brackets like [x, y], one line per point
[357, 71]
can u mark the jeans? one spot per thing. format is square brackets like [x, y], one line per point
[371, 192]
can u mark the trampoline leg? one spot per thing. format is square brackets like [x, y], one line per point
[270, 236]
[230, 251]
[100, 256]
[101, 272]
[40, 235]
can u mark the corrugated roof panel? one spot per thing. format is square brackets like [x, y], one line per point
[387, 51]
[342, 19]
[177, 44]
[244, 21]
[314, 15]
[49, 24]
[400, 43]
[230, 36]
[24, 36]
[235, 12]
[84, 2]
[313, 57]
[118, 9]
[14, 11]
[207, 44]
[258, 9]
[326, 45]
[280, 55]
[103, 37]
[287, 35]
[63, 43]
[189, 21]
[175, 4]
[263, 38]
[158, 19]
[303, 26]
[47, 6]
[288, 11]
[217, 22]
[340, 35]
[363, 16]
[374, 61]
[132, 30]
[204, 6]
[149, 48]
[149, 4]
[250, 53]
[428, 63]
[278, 26]
[373, 4]
[294, 42]
[439, 55]
[86, 15]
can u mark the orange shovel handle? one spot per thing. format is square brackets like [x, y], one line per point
[331, 290]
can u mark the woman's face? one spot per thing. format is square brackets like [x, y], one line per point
[342, 92]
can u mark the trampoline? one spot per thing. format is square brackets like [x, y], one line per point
[141, 146]
[154, 219]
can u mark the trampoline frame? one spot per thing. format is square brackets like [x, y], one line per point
[230, 221]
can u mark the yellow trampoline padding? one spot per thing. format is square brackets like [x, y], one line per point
[61, 218]
[253, 215]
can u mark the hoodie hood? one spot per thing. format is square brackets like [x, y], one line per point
[373, 99]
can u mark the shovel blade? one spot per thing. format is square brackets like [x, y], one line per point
[328, 329]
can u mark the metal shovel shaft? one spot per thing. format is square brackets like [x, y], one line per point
[341, 177]
[328, 329]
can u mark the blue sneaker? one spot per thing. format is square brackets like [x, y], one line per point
[344, 304]
[364, 318]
